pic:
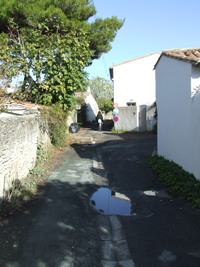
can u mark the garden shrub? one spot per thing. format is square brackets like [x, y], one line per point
[56, 120]
[178, 181]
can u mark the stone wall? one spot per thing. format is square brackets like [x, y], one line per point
[19, 138]
[72, 117]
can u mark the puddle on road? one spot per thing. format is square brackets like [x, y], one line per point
[110, 202]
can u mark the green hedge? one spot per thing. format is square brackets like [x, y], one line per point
[178, 181]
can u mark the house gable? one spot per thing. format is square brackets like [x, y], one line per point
[134, 81]
[134, 84]
[129, 61]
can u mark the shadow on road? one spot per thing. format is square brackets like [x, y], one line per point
[56, 229]
[59, 228]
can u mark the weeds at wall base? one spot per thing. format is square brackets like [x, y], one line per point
[178, 181]
[26, 190]
[54, 122]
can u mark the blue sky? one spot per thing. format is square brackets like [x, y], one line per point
[150, 26]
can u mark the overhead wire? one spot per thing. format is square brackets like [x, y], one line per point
[103, 58]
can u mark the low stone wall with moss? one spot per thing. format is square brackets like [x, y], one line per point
[19, 138]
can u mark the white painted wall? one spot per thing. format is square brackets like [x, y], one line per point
[91, 108]
[135, 80]
[195, 122]
[178, 113]
[195, 82]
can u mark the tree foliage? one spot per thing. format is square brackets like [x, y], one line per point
[102, 91]
[101, 88]
[52, 39]
[72, 14]
[60, 58]
[105, 104]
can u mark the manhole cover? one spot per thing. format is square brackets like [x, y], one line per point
[110, 202]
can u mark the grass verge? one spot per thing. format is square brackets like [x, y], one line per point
[179, 182]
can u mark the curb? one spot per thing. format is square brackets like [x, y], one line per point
[114, 247]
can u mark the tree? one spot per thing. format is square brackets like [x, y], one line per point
[105, 104]
[53, 38]
[102, 91]
[60, 58]
[101, 88]
[73, 14]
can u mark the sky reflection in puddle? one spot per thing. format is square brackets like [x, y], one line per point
[110, 202]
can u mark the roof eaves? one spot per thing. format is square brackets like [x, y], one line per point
[180, 57]
[82, 95]
[186, 59]
[133, 60]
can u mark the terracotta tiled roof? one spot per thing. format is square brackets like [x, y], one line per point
[31, 105]
[133, 60]
[190, 55]
[82, 95]
[10, 101]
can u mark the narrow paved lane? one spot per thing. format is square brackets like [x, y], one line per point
[61, 228]
[162, 231]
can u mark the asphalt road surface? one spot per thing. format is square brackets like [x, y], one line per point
[62, 228]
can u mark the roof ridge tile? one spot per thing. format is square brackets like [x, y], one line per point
[190, 55]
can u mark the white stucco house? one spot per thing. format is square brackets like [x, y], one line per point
[91, 104]
[178, 103]
[134, 84]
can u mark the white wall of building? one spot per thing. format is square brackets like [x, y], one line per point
[178, 113]
[195, 122]
[135, 80]
[195, 84]
[91, 108]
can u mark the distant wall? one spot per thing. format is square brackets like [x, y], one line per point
[127, 119]
[107, 116]
[91, 108]
[135, 118]
[135, 80]
[72, 118]
[150, 120]
[19, 138]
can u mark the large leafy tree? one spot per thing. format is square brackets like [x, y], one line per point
[102, 91]
[73, 14]
[59, 58]
[53, 38]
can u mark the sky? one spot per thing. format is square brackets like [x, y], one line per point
[150, 26]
